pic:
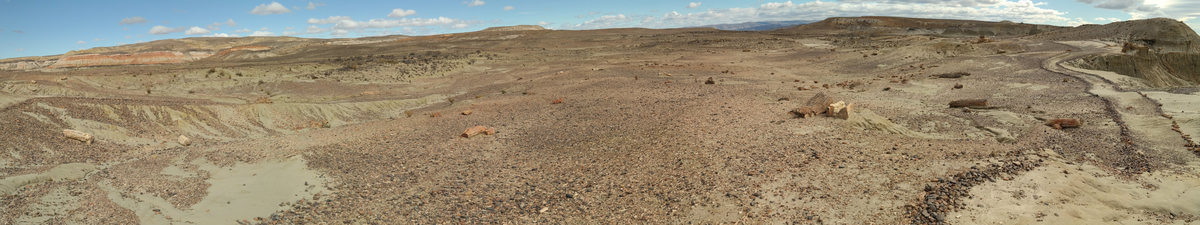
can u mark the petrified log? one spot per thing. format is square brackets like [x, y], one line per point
[953, 75]
[184, 140]
[78, 136]
[818, 104]
[972, 103]
[1063, 123]
[476, 130]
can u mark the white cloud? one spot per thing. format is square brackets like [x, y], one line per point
[508, 8]
[196, 31]
[474, 3]
[693, 5]
[243, 30]
[606, 21]
[230, 23]
[1077, 21]
[346, 23]
[313, 29]
[460, 25]
[159, 30]
[991, 10]
[339, 32]
[221, 35]
[80, 42]
[1142, 9]
[262, 33]
[290, 33]
[543, 23]
[398, 13]
[133, 20]
[313, 6]
[331, 19]
[270, 9]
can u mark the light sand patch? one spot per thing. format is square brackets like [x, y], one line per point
[1183, 108]
[1032, 87]
[868, 120]
[243, 191]
[70, 171]
[1061, 193]
[923, 88]
[1121, 80]
[55, 204]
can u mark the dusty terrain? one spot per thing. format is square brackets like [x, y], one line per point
[677, 126]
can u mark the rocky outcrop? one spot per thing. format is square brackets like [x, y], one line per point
[1171, 69]
[25, 65]
[1159, 34]
[156, 57]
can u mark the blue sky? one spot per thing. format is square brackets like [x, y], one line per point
[48, 27]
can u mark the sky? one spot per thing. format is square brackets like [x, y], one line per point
[50, 27]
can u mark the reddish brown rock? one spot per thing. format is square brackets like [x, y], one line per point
[476, 130]
[1063, 123]
[557, 101]
[818, 104]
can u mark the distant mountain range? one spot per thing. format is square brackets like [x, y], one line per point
[759, 26]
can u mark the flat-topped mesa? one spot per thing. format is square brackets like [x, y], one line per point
[515, 28]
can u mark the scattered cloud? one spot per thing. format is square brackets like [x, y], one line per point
[230, 23]
[313, 6]
[606, 21]
[20, 49]
[343, 25]
[243, 30]
[992, 10]
[1142, 9]
[196, 31]
[160, 30]
[508, 8]
[339, 33]
[331, 19]
[221, 35]
[80, 42]
[474, 3]
[543, 23]
[313, 29]
[270, 9]
[399, 13]
[262, 33]
[133, 20]
[693, 5]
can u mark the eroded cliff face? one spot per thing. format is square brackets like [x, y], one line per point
[25, 65]
[156, 57]
[1169, 69]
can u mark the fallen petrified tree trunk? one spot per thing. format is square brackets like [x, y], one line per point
[971, 103]
[476, 130]
[818, 104]
[184, 140]
[78, 136]
[1063, 123]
